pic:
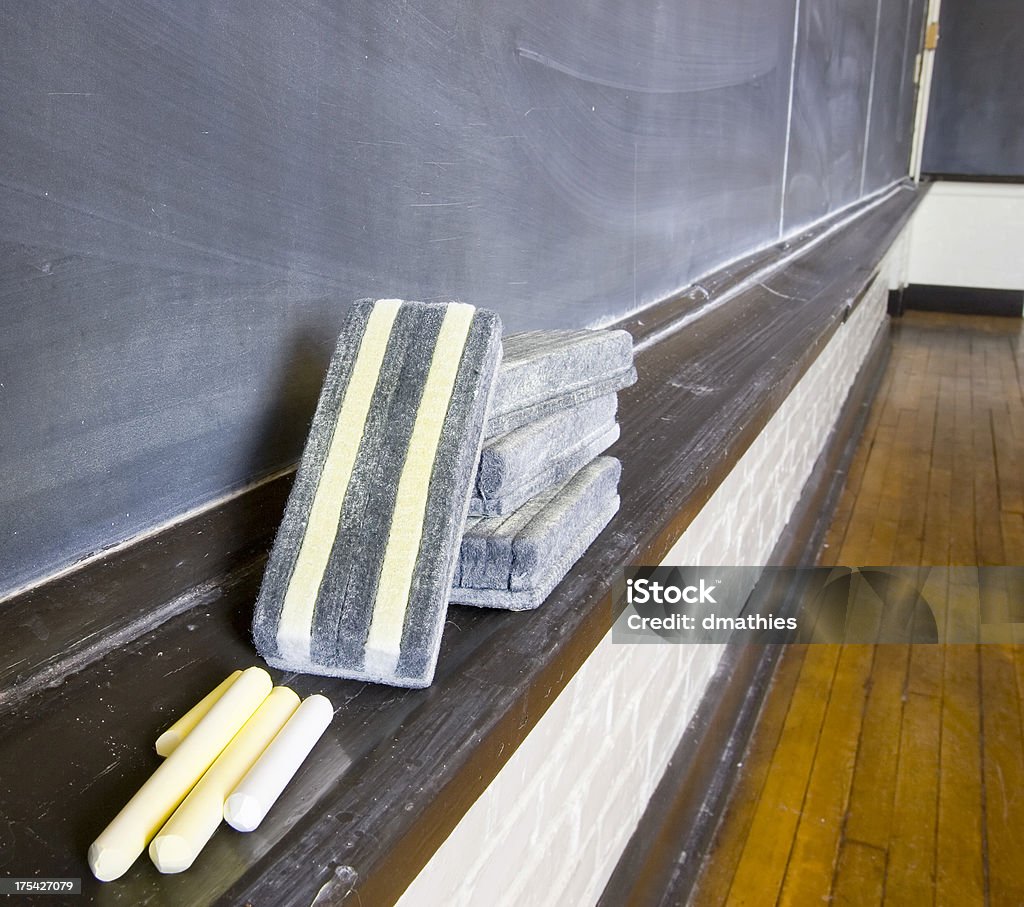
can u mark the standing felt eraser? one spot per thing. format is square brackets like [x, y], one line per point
[179, 842]
[168, 741]
[249, 803]
[546, 371]
[357, 581]
[123, 840]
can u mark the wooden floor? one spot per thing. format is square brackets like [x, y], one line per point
[939, 475]
[895, 774]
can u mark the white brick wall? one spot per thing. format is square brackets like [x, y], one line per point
[552, 824]
[968, 235]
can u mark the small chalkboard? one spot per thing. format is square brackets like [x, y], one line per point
[976, 111]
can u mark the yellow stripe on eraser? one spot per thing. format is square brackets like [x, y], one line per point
[180, 841]
[168, 741]
[121, 842]
[295, 628]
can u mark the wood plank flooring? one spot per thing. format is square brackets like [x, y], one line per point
[894, 774]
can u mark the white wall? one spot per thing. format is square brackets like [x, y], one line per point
[553, 823]
[969, 235]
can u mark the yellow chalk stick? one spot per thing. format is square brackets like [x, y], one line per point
[121, 842]
[168, 741]
[179, 842]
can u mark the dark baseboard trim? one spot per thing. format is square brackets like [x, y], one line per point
[963, 300]
[895, 304]
[1007, 179]
[662, 860]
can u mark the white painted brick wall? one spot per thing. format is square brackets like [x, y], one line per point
[968, 235]
[551, 826]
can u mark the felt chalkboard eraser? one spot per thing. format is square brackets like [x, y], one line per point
[545, 371]
[520, 464]
[357, 581]
[515, 561]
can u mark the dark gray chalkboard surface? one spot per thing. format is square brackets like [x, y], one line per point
[976, 110]
[190, 196]
[900, 35]
[853, 99]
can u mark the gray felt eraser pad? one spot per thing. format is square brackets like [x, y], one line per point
[515, 561]
[545, 371]
[358, 578]
[523, 462]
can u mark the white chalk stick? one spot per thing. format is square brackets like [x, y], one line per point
[263, 783]
[179, 842]
[121, 842]
[168, 741]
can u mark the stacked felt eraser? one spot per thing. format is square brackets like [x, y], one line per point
[426, 419]
[542, 492]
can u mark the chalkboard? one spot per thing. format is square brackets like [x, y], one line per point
[191, 195]
[894, 92]
[976, 110]
[853, 101]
